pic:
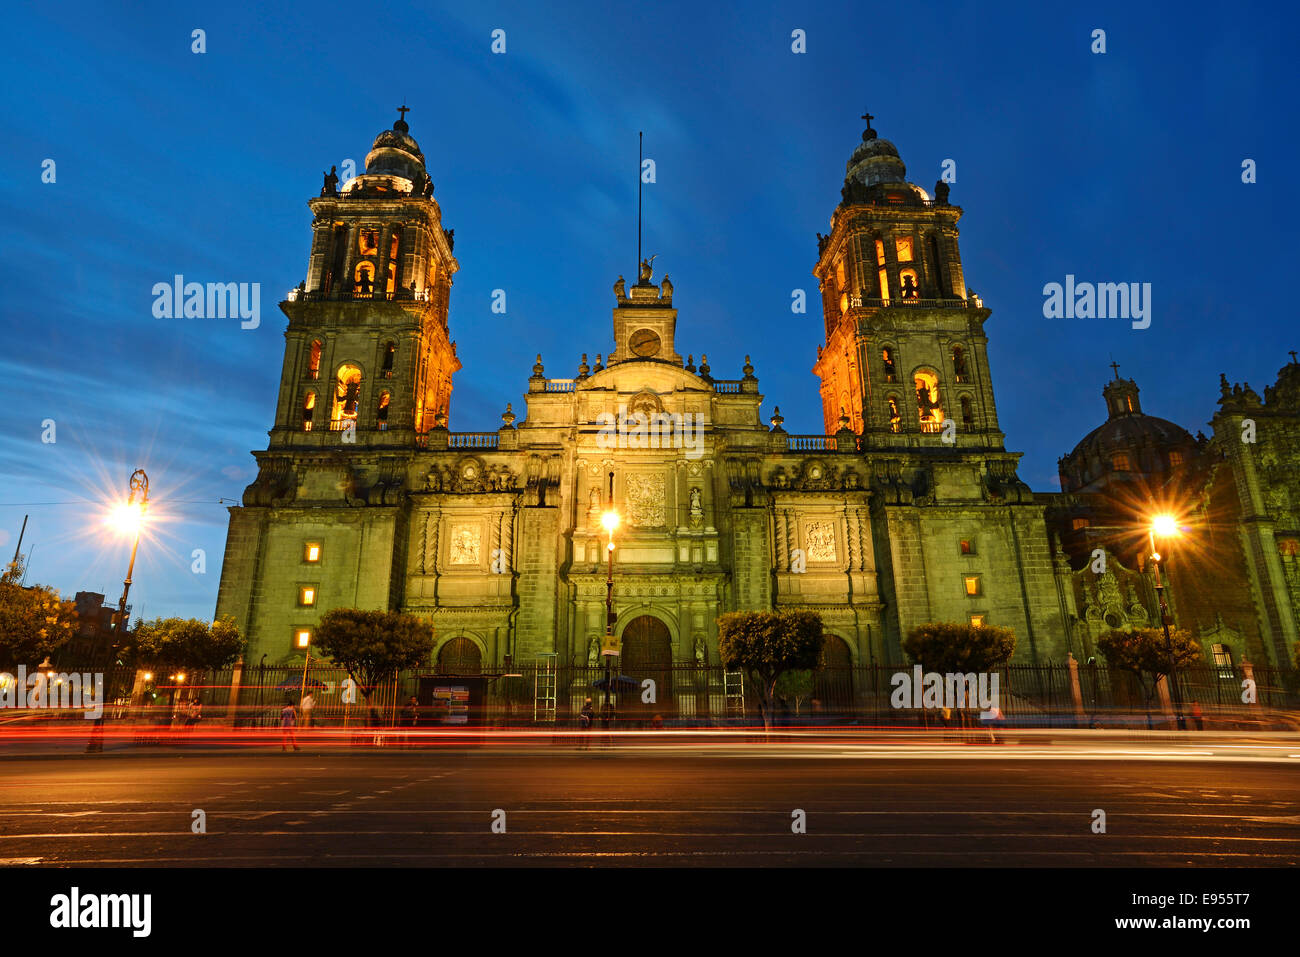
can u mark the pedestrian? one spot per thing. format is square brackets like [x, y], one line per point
[288, 719]
[308, 703]
[607, 721]
[411, 717]
[1197, 717]
[585, 718]
[995, 721]
[195, 715]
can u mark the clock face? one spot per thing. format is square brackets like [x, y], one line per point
[644, 343]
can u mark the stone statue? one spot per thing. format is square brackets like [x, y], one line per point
[697, 509]
[941, 192]
[593, 509]
[666, 288]
[701, 652]
[620, 288]
[647, 268]
[593, 652]
[331, 183]
[909, 287]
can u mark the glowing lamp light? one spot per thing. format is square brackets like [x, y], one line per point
[609, 521]
[1164, 525]
[126, 518]
[148, 676]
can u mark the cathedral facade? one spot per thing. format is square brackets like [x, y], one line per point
[906, 509]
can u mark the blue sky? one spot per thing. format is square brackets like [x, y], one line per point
[1124, 166]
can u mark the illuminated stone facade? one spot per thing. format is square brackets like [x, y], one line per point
[898, 514]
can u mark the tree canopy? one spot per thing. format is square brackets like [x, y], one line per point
[34, 620]
[186, 643]
[767, 644]
[372, 645]
[959, 648]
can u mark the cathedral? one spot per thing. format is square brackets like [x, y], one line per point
[906, 509]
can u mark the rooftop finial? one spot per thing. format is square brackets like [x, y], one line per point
[868, 133]
[401, 122]
[1115, 365]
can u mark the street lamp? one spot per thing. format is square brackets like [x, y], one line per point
[1166, 526]
[609, 521]
[302, 639]
[127, 518]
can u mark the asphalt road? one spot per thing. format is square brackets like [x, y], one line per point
[633, 804]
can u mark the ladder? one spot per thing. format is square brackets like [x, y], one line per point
[733, 689]
[544, 701]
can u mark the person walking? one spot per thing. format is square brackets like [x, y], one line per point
[585, 718]
[308, 703]
[411, 718]
[288, 719]
[195, 715]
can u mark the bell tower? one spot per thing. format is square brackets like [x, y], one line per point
[368, 359]
[905, 358]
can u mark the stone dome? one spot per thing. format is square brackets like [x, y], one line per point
[1129, 442]
[875, 161]
[395, 153]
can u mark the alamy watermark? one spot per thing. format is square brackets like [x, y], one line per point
[215, 300]
[69, 691]
[652, 430]
[929, 689]
[1103, 300]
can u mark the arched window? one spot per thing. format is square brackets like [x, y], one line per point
[935, 266]
[313, 360]
[308, 410]
[908, 287]
[347, 396]
[887, 357]
[959, 363]
[967, 417]
[363, 278]
[386, 369]
[382, 412]
[881, 275]
[368, 241]
[928, 404]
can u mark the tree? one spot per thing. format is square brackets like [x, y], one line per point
[185, 643]
[34, 621]
[795, 686]
[956, 648]
[767, 644]
[959, 648]
[372, 645]
[1144, 652]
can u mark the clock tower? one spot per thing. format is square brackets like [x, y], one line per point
[645, 321]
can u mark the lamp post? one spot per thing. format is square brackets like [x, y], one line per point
[128, 518]
[303, 640]
[1166, 526]
[610, 521]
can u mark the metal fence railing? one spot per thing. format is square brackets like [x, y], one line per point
[679, 693]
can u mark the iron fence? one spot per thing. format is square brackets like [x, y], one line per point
[687, 693]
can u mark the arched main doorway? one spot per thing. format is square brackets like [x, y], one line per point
[460, 656]
[647, 653]
[833, 678]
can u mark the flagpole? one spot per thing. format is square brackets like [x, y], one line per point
[640, 160]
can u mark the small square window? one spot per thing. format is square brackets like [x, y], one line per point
[903, 245]
[977, 621]
[1120, 462]
[301, 638]
[307, 596]
[311, 552]
[967, 547]
[1079, 523]
[1175, 459]
[972, 584]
